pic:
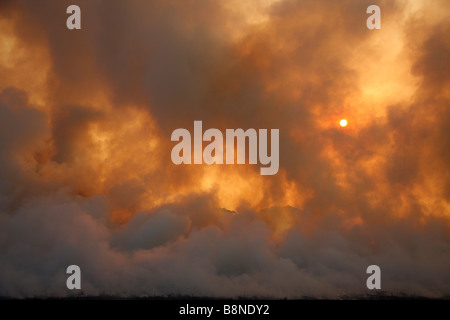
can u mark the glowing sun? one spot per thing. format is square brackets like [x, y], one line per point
[343, 123]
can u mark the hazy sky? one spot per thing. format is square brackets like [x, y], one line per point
[86, 175]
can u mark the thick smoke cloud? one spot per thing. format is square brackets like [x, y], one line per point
[85, 170]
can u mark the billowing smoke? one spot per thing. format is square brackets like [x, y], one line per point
[86, 176]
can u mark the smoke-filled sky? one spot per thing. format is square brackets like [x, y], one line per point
[86, 176]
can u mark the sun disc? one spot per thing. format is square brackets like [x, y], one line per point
[343, 123]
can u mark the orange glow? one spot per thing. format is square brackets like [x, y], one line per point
[124, 153]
